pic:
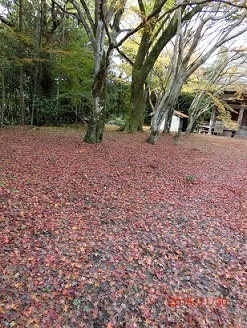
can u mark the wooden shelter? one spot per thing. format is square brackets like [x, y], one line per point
[238, 102]
[177, 121]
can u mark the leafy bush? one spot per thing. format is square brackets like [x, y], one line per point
[119, 121]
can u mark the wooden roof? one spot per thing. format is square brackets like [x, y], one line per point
[180, 114]
[235, 98]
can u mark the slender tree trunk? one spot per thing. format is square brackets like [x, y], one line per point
[96, 123]
[102, 59]
[168, 121]
[21, 76]
[200, 104]
[22, 104]
[193, 112]
[3, 96]
[34, 92]
[192, 121]
[97, 116]
[36, 88]
[157, 120]
[163, 112]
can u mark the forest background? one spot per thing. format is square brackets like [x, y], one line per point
[69, 62]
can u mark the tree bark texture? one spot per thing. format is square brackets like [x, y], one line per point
[156, 123]
[95, 128]
[137, 101]
[21, 73]
[145, 61]
[196, 110]
[212, 120]
[165, 111]
[102, 31]
[22, 103]
[3, 96]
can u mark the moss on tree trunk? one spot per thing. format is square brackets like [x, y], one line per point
[96, 123]
[153, 137]
[95, 129]
[137, 104]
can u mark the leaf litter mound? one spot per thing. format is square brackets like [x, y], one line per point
[123, 233]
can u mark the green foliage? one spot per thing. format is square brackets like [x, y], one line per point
[224, 112]
[206, 115]
[190, 178]
[117, 98]
[119, 121]
[46, 111]
[72, 64]
[184, 101]
[77, 302]
[57, 65]
[72, 75]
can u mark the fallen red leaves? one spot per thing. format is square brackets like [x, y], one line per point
[106, 235]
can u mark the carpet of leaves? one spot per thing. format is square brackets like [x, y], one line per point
[108, 235]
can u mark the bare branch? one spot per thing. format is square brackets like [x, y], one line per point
[201, 2]
[231, 4]
[117, 20]
[125, 56]
[87, 12]
[89, 27]
[142, 9]
[102, 14]
[6, 22]
[142, 24]
[222, 40]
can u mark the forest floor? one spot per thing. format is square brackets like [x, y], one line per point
[123, 233]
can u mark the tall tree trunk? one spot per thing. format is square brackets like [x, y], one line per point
[193, 112]
[137, 100]
[168, 121]
[157, 120]
[21, 76]
[96, 123]
[35, 82]
[145, 61]
[22, 104]
[192, 120]
[95, 128]
[33, 93]
[102, 30]
[3, 96]
[163, 112]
